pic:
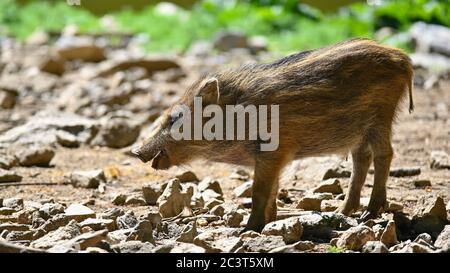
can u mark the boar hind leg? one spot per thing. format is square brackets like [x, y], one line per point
[265, 188]
[382, 152]
[361, 157]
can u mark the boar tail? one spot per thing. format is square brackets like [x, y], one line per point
[411, 102]
[410, 79]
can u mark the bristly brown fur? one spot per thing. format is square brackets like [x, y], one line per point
[338, 99]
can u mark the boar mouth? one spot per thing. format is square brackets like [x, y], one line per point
[161, 161]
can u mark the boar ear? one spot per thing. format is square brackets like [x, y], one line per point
[209, 90]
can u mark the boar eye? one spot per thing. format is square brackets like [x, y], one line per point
[175, 117]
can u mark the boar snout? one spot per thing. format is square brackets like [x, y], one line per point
[144, 153]
[160, 158]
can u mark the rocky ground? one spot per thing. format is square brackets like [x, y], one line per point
[73, 105]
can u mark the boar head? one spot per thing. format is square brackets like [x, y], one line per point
[160, 146]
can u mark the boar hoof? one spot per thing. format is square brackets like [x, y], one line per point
[258, 227]
[369, 214]
[347, 209]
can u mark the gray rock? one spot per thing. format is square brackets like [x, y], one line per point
[154, 217]
[127, 221]
[95, 250]
[19, 236]
[120, 236]
[49, 210]
[174, 199]
[249, 234]
[117, 133]
[79, 212]
[210, 194]
[257, 44]
[212, 203]
[6, 211]
[119, 199]
[38, 37]
[263, 244]
[35, 156]
[189, 233]
[151, 193]
[210, 184]
[244, 190]
[409, 247]
[324, 225]
[404, 172]
[58, 237]
[112, 213]
[7, 99]
[133, 247]
[187, 248]
[389, 235]
[85, 240]
[324, 196]
[14, 203]
[300, 246]
[443, 240]
[290, 229]
[200, 49]
[429, 215]
[434, 63]
[87, 179]
[197, 201]
[143, 231]
[46, 62]
[310, 202]
[9, 176]
[51, 224]
[79, 48]
[218, 240]
[330, 205]
[218, 210]
[168, 230]
[187, 176]
[45, 127]
[336, 172]
[331, 185]
[240, 174]
[439, 160]
[431, 38]
[99, 224]
[225, 41]
[355, 238]
[422, 183]
[135, 200]
[151, 65]
[424, 237]
[13, 227]
[6, 247]
[430, 205]
[374, 247]
[7, 161]
[233, 218]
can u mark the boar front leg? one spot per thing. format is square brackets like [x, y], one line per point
[264, 192]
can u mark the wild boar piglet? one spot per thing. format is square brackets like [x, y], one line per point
[334, 100]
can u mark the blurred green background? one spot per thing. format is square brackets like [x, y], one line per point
[288, 25]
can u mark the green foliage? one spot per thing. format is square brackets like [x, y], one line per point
[335, 249]
[21, 21]
[288, 25]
